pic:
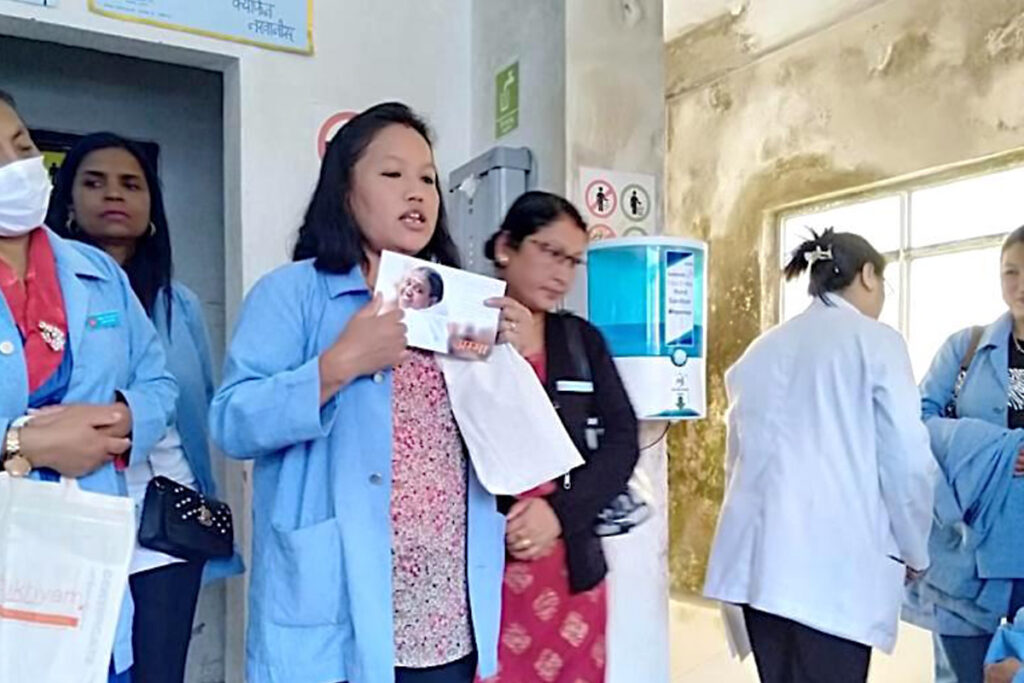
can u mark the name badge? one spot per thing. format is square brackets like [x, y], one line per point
[567, 386]
[103, 320]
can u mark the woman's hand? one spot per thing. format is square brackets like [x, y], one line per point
[517, 326]
[913, 575]
[369, 342]
[532, 529]
[1003, 671]
[77, 439]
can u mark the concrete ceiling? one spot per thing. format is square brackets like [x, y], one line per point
[683, 15]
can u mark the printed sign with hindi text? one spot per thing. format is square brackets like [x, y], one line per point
[276, 24]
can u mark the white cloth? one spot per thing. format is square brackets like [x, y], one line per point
[166, 459]
[829, 477]
[515, 439]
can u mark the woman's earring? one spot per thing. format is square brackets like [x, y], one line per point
[152, 229]
[69, 224]
[503, 261]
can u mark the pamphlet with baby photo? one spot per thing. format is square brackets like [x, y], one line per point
[445, 309]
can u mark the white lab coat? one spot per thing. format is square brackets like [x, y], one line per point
[829, 476]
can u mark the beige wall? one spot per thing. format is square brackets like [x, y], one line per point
[900, 87]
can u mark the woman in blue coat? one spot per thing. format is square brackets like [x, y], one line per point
[976, 422]
[74, 339]
[377, 555]
[108, 194]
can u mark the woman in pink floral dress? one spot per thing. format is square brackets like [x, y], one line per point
[554, 597]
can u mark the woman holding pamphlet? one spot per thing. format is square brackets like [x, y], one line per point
[554, 598]
[377, 554]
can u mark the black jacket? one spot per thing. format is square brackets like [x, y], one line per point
[585, 492]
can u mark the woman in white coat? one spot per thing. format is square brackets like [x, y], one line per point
[829, 476]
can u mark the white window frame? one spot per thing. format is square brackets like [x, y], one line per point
[904, 189]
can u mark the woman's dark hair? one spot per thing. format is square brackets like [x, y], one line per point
[150, 268]
[434, 281]
[529, 213]
[329, 231]
[8, 99]
[1015, 237]
[834, 260]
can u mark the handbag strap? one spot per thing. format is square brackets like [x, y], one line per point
[574, 340]
[965, 365]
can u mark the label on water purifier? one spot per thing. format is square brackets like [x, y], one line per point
[679, 297]
[660, 390]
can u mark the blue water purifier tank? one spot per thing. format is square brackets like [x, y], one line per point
[648, 296]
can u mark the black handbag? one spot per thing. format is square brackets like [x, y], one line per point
[184, 523]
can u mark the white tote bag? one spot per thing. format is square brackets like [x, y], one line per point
[515, 438]
[64, 556]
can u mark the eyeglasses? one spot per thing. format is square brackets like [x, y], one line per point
[556, 255]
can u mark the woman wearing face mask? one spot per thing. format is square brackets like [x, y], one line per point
[973, 406]
[828, 476]
[377, 554]
[74, 343]
[108, 195]
[554, 598]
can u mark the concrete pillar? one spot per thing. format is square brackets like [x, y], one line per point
[592, 94]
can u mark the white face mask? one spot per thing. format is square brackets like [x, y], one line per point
[24, 195]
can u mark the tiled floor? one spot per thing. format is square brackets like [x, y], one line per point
[700, 653]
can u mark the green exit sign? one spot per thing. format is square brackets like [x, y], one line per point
[506, 104]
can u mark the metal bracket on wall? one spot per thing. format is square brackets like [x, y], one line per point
[480, 192]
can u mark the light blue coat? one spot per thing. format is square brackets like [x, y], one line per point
[320, 595]
[114, 348]
[187, 345]
[983, 402]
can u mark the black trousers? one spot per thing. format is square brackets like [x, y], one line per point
[788, 652]
[460, 671]
[165, 604]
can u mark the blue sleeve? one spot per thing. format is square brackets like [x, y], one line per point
[269, 399]
[937, 385]
[193, 311]
[151, 391]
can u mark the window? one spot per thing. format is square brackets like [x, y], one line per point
[942, 242]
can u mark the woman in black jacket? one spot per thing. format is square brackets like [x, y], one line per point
[554, 599]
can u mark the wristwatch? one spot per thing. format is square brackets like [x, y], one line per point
[14, 463]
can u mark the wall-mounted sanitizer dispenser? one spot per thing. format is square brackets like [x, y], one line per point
[480, 193]
[648, 296]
